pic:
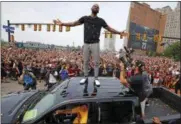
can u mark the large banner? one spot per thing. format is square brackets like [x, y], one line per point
[148, 44]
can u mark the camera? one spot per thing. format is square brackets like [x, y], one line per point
[125, 56]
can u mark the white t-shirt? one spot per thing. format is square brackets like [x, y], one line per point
[174, 73]
[52, 79]
[55, 73]
[177, 73]
[14, 65]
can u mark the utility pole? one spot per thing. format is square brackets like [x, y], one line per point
[8, 23]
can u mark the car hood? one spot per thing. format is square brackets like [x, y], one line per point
[11, 103]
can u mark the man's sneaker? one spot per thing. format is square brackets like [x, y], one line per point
[97, 82]
[83, 80]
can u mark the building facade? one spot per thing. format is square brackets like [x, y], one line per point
[143, 19]
[109, 43]
[172, 27]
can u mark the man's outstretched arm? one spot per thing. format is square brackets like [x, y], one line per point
[112, 30]
[71, 24]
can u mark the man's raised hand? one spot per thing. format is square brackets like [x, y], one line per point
[57, 22]
[123, 33]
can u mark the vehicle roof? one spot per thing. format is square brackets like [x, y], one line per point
[72, 89]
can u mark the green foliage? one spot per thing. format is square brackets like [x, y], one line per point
[151, 53]
[173, 51]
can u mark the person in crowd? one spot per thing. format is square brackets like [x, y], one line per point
[42, 73]
[156, 78]
[64, 73]
[101, 70]
[76, 69]
[15, 70]
[109, 69]
[3, 72]
[116, 72]
[104, 73]
[50, 78]
[71, 70]
[29, 80]
[55, 72]
[177, 84]
[20, 68]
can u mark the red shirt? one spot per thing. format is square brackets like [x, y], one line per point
[77, 71]
[71, 72]
[156, 75]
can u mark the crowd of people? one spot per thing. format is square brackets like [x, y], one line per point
[65, 64]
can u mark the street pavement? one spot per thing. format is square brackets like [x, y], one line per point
[13, 86]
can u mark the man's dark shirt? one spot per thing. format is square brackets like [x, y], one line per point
[100, 70]
[20, 66]
[109, 71]
[11, 63]
[92, 28]
[91, 72]
[136, 83]
[117, 72]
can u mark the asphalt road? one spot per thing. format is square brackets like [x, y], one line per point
[13, 86]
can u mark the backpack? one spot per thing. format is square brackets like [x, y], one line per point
[28, 80]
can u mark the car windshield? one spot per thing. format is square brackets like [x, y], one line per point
[37, 109]
[42, 103]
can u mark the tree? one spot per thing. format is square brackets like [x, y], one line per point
[173, 51]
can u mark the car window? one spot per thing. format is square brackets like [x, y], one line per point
[72, 113]
[37, 109]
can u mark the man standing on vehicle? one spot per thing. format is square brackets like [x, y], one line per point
[92, 29]
[139, 82]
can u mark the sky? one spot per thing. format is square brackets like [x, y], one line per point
[114, 13]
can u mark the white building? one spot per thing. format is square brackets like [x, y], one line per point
[109, 43]
[172, 27]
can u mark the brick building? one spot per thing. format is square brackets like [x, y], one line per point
[143, 19]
